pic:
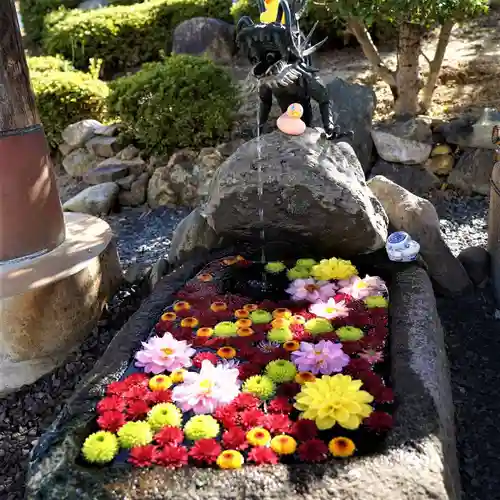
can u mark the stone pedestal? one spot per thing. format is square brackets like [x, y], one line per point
[494, 230]
[50, 303]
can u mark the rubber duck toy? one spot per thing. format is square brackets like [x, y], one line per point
[271, 12]
[290, 122]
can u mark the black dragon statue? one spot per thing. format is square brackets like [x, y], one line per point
[281, 58]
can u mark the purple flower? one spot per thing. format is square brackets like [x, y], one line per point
[361, 288]
[325, 357]
[311, 290]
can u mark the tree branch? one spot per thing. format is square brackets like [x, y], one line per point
[422, 53]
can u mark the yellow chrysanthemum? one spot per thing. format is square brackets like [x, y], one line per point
[230, 459]
[283, 444]
[160, 382]
[336, 399]
[258, 436]
[177, 376]
[341, 447]
[333, 269]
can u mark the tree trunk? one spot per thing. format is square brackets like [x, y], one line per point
[435, 65]
[408, 78]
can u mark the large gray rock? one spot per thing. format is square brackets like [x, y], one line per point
[314, 192]
[418, 217]
[204, 36]
[354, 105]
[77, 134]
[103, 146]
[94, 200]
[476, 261]
[472, 172]
[79, 162]
[137, 194]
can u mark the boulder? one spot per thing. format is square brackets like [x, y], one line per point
[440, 164]
[94, 200]
[77, 134]
[129, 153]
[159, 192]
[103, 146]
[126, 182]
[407, 141]
[109, 130]
[313, 191]
[98, 175]
[135, 166]
[205, 36]
[476, 261]
[79, 162]
[354, 105]
[414, 178]
[472, 172]
[137, 194]
[418, 217]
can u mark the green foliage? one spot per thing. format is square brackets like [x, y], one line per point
[125, 36]
[44, 64]
[184, 101]
[33, 13]
[65, 97]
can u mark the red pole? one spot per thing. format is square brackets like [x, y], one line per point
[31, 217]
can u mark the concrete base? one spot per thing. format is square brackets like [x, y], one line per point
[49, 304]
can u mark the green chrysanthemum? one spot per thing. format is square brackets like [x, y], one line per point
[317, 326]
[135, 434]
[305, 263]
[100, 447]
[349, 333]
[201, 427]
[225, 329]
[261, 386]
[280, 335]
[260, 317]
[275, 267]
[298, 273]
[281, 370]
[164, 414]
[376, 301]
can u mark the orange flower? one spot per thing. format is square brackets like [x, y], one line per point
[205, 332]
[283, 445]
[218, 306]
[168, 316]
[280, 323]
[182, 305]
[205, 277]
[190, 322]
[244, 332]
[244, 323]
[240, 258]
[226, 352]
[291, 345]
[241, 313]
[341, 447]
[229, 261]
[297, 319]
[282, 313]
[250, 307]
[303, 377]
[177, 376]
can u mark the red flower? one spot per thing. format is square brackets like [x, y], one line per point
[351, 347]
[339, 297]
[137, 409]
[288, 390]
[276, 423]
[169, 435]
[262, 455]
[379, 421]
[263, 358]
[116, 388]
[111, 421]
[137, 379]
[202, 356]
[384, 395]
[245, 401]
[234, 439]
[172, 456]
[205, 451]
[110, 403]
[215, 342]
[182, 333]
[300, 333]
[357, 366]
[313, 450]
[143, 456]
[251, 418]
[157, 397]
[280, 405]
[304, 429]
[227, 416]
[246, 350]
[248, 370]
[208, 318]
[137, 392]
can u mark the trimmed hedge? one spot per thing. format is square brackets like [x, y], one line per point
[44, 64]
[125, 36]
[184, 101]
[65, 97]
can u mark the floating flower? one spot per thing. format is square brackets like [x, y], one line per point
[274, 267]
[251, 417]
[303, 377]
[241, 313]
[250, 307]
[349, 333]
[280, 405]
[245, 401]
[230, 363]
[280, 371]
[341, 447]
[225, 329]
[310, 290]
[137, 409]
[297, 319]
[205, 277]
[161, 397]
[244, 332]
[258, 436]
[143, 456]
[111, 403]
[305, 263]
[244, 323]
[276, 423]
[169, 435]
[372, 356]
[279, 335]
[164, 414]
[291, 345]
[218, 306]
[313, 451]
[261, 386]
[212, 387]
[135, 434]
[334, 399]
[325, 357]
[177, 376]
[235, 438]
[267, 347]
[160, 382]
[261, 455]
[205, 451]
[100, 447]
[359, 288]
[288, 389]
[230, 459]
[172, 456]
[201, 427]
[283, 445]
[304, 429]
[168, 317]
[280, 323]
[248, 370]
[164, 353]
[189, 322]
[226, 352]
[317, 326]
[202, 356]
[282, 312]
[333, 269]
[376, 301]
[330, 309]
[296, 272]
[182, 305]
[205, 332]
[260, 317]
[111, 421]
[379, 421]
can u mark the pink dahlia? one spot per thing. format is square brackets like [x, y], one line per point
[325, 357]
[330, 309]
[165, 353]
[361, 288]
[311, 290]
[205, 391]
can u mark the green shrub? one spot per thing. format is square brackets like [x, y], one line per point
[33, 13]
[44, 64]
[184, 101]
[65, 97]
[125, 36]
